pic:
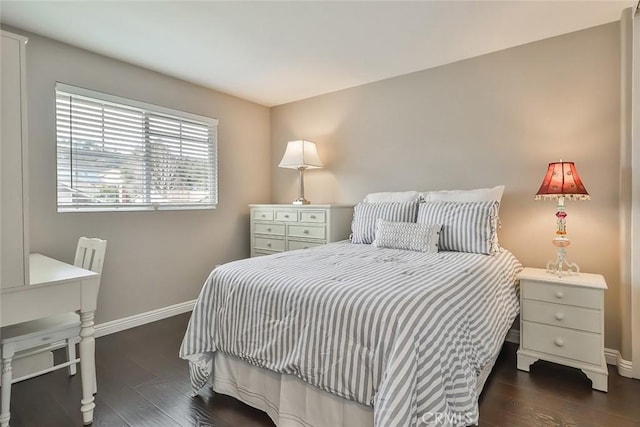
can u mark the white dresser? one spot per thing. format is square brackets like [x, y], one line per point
[279, 228]
[562, 321]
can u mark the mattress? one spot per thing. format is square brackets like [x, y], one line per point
[403, 332]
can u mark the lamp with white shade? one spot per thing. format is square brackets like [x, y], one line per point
[300, 155]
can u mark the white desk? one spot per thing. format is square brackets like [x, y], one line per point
[56, 287]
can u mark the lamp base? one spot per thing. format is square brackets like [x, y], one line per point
[301, 202]
[557, 267]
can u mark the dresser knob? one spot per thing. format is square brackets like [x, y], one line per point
[269, 229]
[286, 216]
[263, 216]
[268, 245]
[559, 342]
[306, 231]
[313, 217]
[559, 294]
[559, 315]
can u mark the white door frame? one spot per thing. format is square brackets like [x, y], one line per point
[635, 202]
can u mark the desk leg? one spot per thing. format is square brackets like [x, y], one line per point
[8, 351]
[87, 365]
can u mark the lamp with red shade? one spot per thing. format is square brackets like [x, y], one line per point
[562, 182]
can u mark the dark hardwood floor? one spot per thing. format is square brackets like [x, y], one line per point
[143, 383]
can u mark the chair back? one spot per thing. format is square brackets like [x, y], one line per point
[90, 254]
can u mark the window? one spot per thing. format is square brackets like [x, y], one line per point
[118, 154]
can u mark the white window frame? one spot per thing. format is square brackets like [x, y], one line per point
[150, 108]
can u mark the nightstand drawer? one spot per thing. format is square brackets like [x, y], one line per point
[266, 244]
[275, 229]
[309, 231]
[312, 216]
[296, 244]
[288, 215]
[263, 214]
[576, 345]
[566, 316]
[561, 294]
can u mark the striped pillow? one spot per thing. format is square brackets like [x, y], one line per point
[466, 226]
[407, 235]
[365, 215]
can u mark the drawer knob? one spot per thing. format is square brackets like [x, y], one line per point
[286, 216]
[268, 245]
[263, 216]
[306, 231]
[559, 294]
[269, 229]
[313, 217]
[559, 342]
[559, 315]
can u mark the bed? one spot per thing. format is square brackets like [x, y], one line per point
[354, 334]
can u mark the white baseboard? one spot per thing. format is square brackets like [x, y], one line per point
[612, 357]
[129, 322]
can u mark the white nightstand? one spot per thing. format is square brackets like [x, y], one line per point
[562, 321]
[279, 228]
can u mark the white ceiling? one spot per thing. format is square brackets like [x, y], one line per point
[277, 52]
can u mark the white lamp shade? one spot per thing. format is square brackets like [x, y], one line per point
[300, 154]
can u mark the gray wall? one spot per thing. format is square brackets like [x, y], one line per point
[494, 119]
[154, 259]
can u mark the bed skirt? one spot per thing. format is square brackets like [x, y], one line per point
[289, 401]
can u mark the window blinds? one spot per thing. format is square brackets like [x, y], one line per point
[119, 154]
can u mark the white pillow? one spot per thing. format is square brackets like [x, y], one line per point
[476, 195]
[392, 196]
[408, 236]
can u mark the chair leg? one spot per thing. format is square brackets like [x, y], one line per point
[7, 375]
[95, 380]
[71, 355]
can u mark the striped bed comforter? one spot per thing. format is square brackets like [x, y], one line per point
[405, 332]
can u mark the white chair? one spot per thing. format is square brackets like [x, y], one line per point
[37, 336]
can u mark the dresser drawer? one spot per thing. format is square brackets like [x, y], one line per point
[274, 229]
[561, 294]
[287, 215]
[267, 244]
[262, 253]
[312, 216]
[309, 231]
[263, 214]
[576, 345]
[298, 244]
[584, 319]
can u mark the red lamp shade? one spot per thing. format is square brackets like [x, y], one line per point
[562, 180]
